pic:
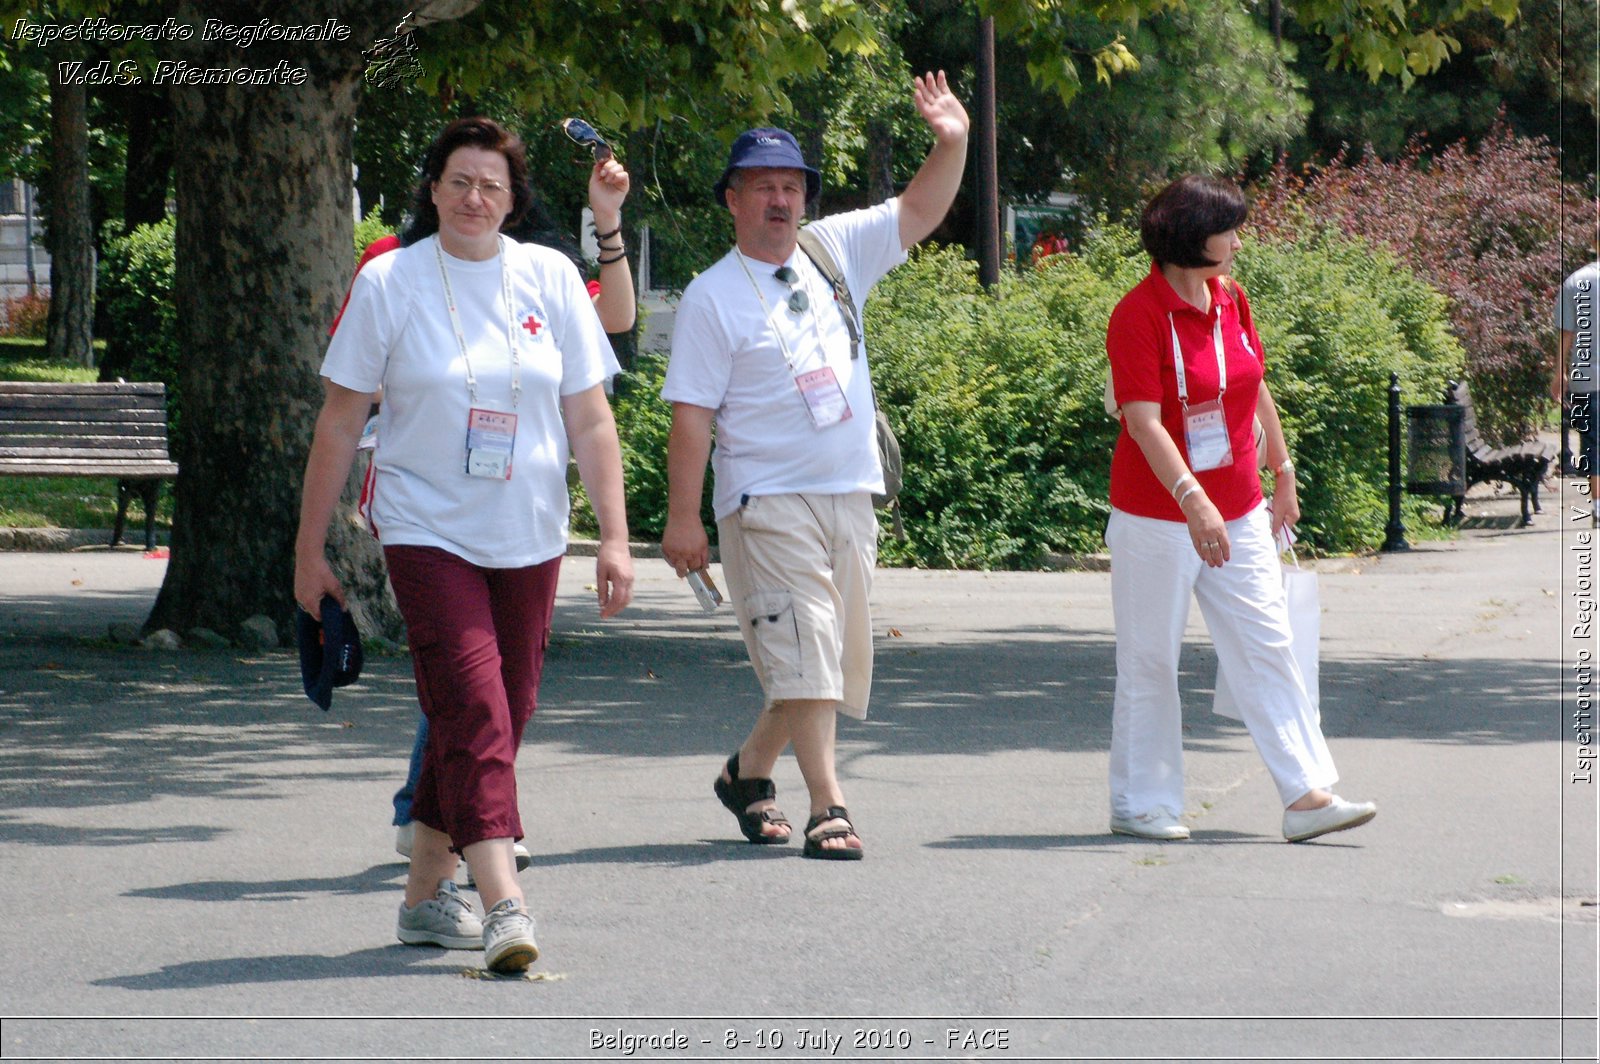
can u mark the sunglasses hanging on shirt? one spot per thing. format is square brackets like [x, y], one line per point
[799, 302]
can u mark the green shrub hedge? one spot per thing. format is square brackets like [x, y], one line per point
[997, 399]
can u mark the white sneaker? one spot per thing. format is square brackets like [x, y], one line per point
[446, 919]
[1159, 824]
[1338, 815]
[403, 837]
[508, 944]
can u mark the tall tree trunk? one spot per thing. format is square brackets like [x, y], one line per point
[70, 335]
[263, 257]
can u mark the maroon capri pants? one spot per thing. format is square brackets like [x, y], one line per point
[478, 639]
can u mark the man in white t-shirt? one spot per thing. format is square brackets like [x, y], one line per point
[1577, 371]
[761, 349]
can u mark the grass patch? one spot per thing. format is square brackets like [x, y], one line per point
[62, 502]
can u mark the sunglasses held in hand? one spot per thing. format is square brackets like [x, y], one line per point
[583, 133]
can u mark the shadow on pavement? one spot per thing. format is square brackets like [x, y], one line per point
[89, 725]
[381, 962]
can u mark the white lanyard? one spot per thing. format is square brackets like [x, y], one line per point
[766, 312]
[461, 338]
[1177, 361]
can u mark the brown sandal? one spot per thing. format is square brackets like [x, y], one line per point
[814, 848]
[737, 795]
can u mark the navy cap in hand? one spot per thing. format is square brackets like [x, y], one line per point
[330, 650]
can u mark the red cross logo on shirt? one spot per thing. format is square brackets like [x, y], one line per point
[533, 325]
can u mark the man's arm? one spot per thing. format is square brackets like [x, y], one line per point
[683, 542]
[927, 199]
[1558, 379]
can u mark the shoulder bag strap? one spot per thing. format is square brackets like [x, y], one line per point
[818, 254]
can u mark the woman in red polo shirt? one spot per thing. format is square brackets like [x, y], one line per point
[1188, 517]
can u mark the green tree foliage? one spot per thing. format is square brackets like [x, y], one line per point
[1540, 71]
[1211, 93]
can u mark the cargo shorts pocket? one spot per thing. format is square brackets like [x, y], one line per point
[775, 632]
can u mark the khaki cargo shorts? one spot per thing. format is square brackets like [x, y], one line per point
[799, 572]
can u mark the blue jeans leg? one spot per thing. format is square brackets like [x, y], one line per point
[402, 797]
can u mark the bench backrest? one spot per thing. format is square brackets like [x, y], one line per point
[103, 424]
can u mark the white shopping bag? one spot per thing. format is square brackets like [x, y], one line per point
[1305, 623]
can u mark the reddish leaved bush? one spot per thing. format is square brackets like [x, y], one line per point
[1492, 227]
[25, 315]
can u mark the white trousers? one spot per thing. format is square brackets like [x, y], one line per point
[1154, 568]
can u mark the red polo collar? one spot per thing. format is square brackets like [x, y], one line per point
[1168, 301]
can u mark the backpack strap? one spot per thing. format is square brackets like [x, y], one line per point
[818, 254]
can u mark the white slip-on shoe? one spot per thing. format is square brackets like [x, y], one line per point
[1159, 824]
[1338, 815]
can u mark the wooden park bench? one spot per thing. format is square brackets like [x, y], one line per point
[1522, 466]
[90, 430]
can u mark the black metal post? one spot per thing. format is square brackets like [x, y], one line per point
[987, 160]
[1394, 535]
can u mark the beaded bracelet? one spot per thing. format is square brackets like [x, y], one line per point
[607, 236]
[621, 254]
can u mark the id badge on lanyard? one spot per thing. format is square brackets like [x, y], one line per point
[491, 437]
[491, 434]
[825, 400]
[1205, 425]
[1205, 432]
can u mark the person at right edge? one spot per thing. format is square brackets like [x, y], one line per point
[1188, 517]
[760, 347]
[1574, 382]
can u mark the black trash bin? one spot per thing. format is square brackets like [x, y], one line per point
[1436, 450]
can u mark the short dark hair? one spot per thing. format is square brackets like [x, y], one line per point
[1179, 219]
[474, 132]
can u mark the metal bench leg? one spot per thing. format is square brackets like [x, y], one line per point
[124, 493]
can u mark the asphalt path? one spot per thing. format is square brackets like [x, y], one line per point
[198, 864]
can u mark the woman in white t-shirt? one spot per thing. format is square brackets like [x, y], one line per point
[492, 363]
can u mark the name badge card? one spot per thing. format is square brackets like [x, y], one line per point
[491, 435]
[824, 398]
[1205, 431]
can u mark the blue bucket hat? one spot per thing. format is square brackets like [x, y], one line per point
[330, 650]
[766, 147]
